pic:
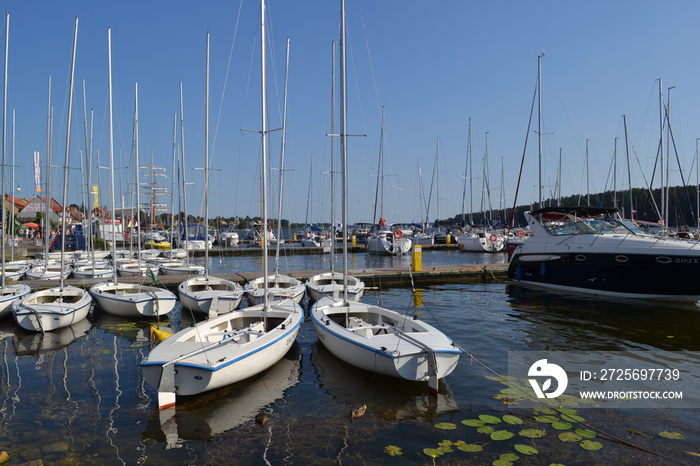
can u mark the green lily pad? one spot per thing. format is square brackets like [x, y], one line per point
[509, 457]
[546, 419]
[572, 418]
[636, 432]
[532, 433]
[445, 426]
[567, 411]
[586, 433]
[445, 443]
[502, 463]
[485, 430]
[473, 422]
[432, 452]
[591, 445]
[672, 435]
[526, 449]
[470, 447]
[487, 418]
[545, 411]
[501, 435]
[393, 450]
[513, 420]
[559, 425]
[569, 437]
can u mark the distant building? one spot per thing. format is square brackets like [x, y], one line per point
[36, 205]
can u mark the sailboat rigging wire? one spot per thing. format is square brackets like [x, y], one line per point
[522, 161]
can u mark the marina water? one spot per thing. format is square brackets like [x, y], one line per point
[76, 396]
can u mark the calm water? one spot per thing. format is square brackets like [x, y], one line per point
[77, 395]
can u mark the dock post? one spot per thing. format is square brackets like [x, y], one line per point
[417, 264]
[448, 239]
[354, 241]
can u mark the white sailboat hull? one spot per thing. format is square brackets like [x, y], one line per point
[222, 350]
[474, 242]
[385, 243]
[280, 288]
[11, 293]
[384, 341]
[50, 309]
[197, 294]
[132, 299]
[330, 284]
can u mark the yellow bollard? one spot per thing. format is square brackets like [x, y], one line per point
[354, 241]
[417, 265]
[448, 239]
[295, 237]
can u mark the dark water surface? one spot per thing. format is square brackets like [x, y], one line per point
[76, 396]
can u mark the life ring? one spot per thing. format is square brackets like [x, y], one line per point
[521, 233]
[398, 234]
[493, 238]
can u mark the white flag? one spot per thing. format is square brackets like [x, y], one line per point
[37, 171]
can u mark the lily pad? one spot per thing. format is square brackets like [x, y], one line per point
[445, 443]
[513, 420]
[473, 422]
[672, 435]
[393, 450]
[591, 445]
[485, 430]
[509, 457]
[532, 433]
[432, 452]
[445, 426]
[636, 432]
[526, 449]
[501, 462]
[545, 411]
[487, 418]
[559, 425]
[569, 437]
[586, 433]
[567, 411]
[470, 447]
[501, 435]
[572, 418]
[547, 419]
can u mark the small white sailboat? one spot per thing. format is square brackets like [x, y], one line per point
[207, 294]
[127, 299]
[369, 336]
[61, 306]
[231, 347]
[481, 241]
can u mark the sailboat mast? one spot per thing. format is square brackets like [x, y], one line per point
[111, 148]
[539, 122]
[332, 229]
[344, 150]
[629, 172]
[284, 136]
[67, 156]
[137, 178]
[263, 113]
[182, 164]
[47, 198]
[5, 228]
[206, 165]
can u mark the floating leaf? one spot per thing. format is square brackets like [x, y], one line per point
[532, 433]
[509, 457]
[490, 419]
[693, 453]
[559, 425]
[569, 437]
[567, 411]
[526, 449]
[393, 450]
[586, 433]
[501, 435]
[470, 447]
[445, 426]
[672, 435]
[546, 411]
[485, 429]
[513, 420]
[572, 418]
[502, 463]
[432, 452]
[473, 422]
[446, 449]
[445, 443]
[591, 445]
[636, 432]
[546, 419]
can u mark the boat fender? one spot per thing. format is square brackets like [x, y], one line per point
[521, 233]
[543, 269]
[519, 272]
[398, 234]
[493, 238]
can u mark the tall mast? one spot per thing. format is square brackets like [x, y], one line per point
[333, 232]
[344, 150]
[539, 122]
[284, 136]
[206, 164]
[263, 113]
[629, 171]
[111, 147]
[5, 228]
[182, 164]
[661, 152]
[67, 156]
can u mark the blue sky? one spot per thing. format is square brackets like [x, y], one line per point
[430, 65]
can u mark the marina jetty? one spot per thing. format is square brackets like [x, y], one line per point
[402, 277]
